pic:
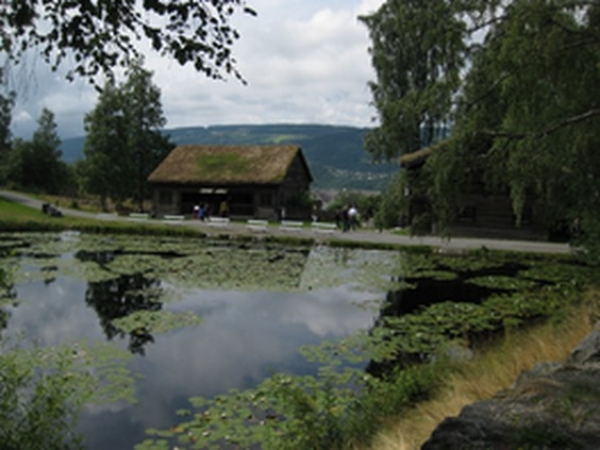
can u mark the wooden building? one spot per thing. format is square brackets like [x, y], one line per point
[254, 181]
[480, 212]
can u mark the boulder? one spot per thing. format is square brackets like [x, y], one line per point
[552, 406]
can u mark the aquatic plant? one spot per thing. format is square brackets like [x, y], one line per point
[344, 404]
[43, 390]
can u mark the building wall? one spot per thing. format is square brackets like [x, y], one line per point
[260, 202]
[247, 201]
[166, 200]
[296, 182]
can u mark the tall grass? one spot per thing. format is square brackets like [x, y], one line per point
[488, 372]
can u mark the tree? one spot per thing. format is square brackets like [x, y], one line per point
[145, 119]
[46, 170]
[391, 205]
[6, 104]
[36, 164]
[95, 36]
[417, 52]
[526, 112]
[124, 143]
[105, 148]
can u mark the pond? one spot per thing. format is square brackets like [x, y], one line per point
[198, 317]
[165, 320]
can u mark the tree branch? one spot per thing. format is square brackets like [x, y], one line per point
[487, 92]
[552, 128]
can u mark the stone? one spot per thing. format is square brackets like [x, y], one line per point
[553, 406]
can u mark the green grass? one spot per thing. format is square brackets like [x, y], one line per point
[17, 217]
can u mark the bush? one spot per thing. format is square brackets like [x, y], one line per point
[39, 406]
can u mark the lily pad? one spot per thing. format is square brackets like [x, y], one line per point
[503, 282]
[156, 321]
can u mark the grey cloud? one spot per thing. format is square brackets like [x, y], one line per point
[305, 62]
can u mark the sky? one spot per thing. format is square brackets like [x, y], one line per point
[305, 61]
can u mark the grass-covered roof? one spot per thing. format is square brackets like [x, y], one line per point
[223, 164]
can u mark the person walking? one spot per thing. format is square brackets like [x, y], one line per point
[353, 217]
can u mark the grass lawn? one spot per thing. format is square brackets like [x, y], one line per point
[17, 217]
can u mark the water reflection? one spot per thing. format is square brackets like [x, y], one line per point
[7, 296]
[244, 338]
[119, 297]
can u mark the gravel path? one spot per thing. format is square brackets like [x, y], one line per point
[446, 245]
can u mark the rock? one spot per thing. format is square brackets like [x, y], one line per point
[553, 406]
[589, 349]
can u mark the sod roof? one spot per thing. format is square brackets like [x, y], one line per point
[222, 164]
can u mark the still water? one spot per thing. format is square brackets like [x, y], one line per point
[258, 303]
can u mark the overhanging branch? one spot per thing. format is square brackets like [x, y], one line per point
[552, 128]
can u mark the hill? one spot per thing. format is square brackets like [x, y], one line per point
[335, 154]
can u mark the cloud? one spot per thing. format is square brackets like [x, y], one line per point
[305, 62]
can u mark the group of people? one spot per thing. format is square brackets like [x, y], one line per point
[203, 211]
[347, 219]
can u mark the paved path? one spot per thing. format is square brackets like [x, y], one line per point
[448, 245]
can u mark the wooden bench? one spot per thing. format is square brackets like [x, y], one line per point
[107, 216]
[218, 221]
[324, 227]
[138, 216]
[257, 225]
[290, 225]
[173, 219]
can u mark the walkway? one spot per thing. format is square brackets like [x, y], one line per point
[363, 235]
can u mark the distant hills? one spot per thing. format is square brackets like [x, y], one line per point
[335, 154]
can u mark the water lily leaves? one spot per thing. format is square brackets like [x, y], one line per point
[156, 321]
[503, 282]
[130, 264]
[435, 275]
[557, 272]
[237, 268]
[189, 263]
[85, 270]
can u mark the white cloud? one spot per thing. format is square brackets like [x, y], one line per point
[305, 62]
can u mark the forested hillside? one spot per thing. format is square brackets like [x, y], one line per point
[335, 154]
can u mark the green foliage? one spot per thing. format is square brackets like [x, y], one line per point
[7, 101]
[392, 206]
[36, 165]
[94, 38]
[144, 119]
[42, 391]
[36, 410]
[365, 203]
[522, 126]
[123, 143]
[417, 52]
[333, 410]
